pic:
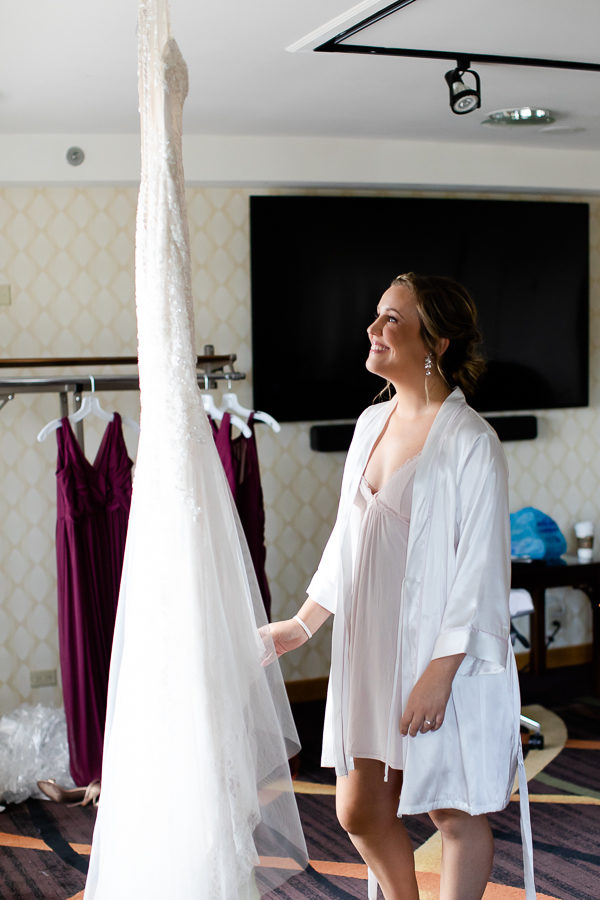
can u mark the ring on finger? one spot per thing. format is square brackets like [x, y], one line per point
[428, 722]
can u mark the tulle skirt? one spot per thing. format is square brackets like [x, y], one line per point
[195, 785]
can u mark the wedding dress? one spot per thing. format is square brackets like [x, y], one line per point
[195, 780]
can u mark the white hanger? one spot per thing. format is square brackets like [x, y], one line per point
[89, 406]
[231, 402]
[211, 409]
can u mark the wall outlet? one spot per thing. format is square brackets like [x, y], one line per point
[556, 611]
[5, 299]
[43, 678]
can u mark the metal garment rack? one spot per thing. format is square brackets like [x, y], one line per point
[211, 368]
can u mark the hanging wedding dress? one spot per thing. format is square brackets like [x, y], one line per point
[195, 781]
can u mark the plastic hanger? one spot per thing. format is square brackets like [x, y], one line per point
[230, 401]
[211, 409]
[89, 406]
[6, 398]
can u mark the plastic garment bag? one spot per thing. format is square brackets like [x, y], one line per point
[534, 535]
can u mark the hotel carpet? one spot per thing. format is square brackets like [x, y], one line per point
[44, 847]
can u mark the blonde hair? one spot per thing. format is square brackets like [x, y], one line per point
[446, 310]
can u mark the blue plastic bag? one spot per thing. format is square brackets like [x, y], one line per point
[535, 535]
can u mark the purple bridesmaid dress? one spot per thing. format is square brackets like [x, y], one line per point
[222, 436]
[93, 508]
[239, 457]
[250, 505]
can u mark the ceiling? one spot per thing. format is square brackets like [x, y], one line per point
[69, 67]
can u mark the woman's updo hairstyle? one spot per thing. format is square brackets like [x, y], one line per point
[447, 311]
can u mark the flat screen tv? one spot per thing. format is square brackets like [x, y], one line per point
[320, 264]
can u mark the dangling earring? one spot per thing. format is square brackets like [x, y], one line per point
[428, 371]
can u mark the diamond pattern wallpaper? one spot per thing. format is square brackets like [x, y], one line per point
[68, 255]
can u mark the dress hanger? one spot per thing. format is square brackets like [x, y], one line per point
[89, 406]
[230, 401]
[211, 409]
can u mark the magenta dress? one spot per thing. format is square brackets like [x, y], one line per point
[93, 508]
[222, 436]
[239, 457]
[250, 505]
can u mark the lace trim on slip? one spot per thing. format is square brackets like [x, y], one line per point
[375, 492]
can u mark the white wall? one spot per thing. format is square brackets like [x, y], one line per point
[313, 161]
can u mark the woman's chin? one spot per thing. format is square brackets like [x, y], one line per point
[375, 365]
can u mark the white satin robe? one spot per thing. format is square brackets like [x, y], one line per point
[455, 600]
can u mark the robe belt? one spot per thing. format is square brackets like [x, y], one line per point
[526, 838]
[391, 722]
[372, 885]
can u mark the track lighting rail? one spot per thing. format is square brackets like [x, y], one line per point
[337, 44]
[332, 46]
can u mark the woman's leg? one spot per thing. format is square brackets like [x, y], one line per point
[467, 854]
[366, 808]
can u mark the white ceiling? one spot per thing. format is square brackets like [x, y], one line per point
[69, 66]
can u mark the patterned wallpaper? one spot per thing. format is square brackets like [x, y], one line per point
[68, 255]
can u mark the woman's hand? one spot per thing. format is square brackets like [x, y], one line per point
[426, 705]
[281, 637]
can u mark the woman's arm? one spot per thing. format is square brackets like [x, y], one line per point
[426, 705]
[289, 634]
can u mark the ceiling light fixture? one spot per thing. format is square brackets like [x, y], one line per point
[463, 99]
[521, 115]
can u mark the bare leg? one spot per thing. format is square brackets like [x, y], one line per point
[366, 808]
[467, 854]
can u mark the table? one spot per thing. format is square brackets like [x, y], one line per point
[539, 575]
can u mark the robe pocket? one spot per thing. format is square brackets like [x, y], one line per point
[485, 717]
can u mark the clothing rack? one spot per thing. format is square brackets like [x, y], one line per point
[211, 368]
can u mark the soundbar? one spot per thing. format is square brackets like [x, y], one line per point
[337, 436]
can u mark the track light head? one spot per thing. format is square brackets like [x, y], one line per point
[463, 99]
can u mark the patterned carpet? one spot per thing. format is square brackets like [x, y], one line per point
[565, 812]
[44, 846]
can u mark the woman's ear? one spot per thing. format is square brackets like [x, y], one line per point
[442, 346]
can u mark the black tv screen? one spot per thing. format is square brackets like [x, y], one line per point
[320, 264]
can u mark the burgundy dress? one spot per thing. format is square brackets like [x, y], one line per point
[239, 457]
[93, 508]
[222, 436]
[250, 505]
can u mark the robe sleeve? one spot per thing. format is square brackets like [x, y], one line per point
[324, 583]
[324, 586]
[476, 619]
